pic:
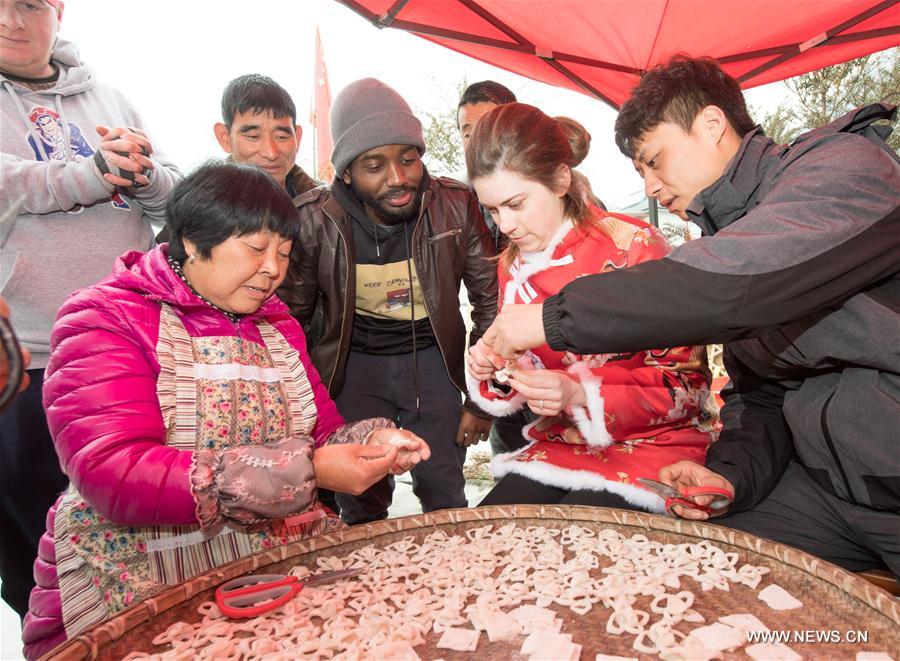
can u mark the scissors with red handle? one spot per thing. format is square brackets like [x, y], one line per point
[241, 597]
[721, 497]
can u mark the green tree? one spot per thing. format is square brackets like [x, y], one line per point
[821, 96]
[676, 231]
[444, 155]
[444, 148]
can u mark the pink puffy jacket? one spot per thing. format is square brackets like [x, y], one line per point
[104, 414]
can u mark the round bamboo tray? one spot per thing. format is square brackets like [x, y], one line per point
[833, 599]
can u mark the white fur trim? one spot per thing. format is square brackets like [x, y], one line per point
[529, 264]
[496, 407]
[573, 480]
[591, 419]
[500, 460]
[499, 407]
[564, 478]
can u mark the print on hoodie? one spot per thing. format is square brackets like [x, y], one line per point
[49, 127]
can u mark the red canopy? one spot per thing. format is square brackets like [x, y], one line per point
[601, 47]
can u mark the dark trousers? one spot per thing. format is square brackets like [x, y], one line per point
[515, 489]
[384, 386]
[326, 497]
[30, 481]
[506, 432]
[800, 514]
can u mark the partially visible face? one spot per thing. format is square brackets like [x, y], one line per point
[388, 180]
[270, 143]
[677, 165]
[468, 115]
[27, 34]
[49, 127]
[241, 272]
[526, 211]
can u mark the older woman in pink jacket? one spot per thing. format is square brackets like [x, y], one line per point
[187, 415]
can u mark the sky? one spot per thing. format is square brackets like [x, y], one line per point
[173, 58]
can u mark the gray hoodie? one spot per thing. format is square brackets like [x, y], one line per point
[72, 223]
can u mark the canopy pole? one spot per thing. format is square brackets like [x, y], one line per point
[314, 132]
[653, 206]
[817, 40]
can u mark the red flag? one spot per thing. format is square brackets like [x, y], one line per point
[318, 117]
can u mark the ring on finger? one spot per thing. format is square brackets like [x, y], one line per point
[541, 404]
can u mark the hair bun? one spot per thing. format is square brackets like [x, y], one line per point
[578, 137]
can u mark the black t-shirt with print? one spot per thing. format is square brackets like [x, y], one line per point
[385, 302]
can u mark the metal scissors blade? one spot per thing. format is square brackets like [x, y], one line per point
[332, 576]
[660, 489]
[721, 497]
[255, 583]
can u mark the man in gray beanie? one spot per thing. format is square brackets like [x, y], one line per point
[381, 255]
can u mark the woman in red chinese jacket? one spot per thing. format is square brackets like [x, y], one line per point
[605, 420]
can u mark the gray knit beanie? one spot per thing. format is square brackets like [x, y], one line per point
[368, 114]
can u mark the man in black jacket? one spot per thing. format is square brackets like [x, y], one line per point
[381, 256]
[798, 273]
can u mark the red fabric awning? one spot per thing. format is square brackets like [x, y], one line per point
[601, 47]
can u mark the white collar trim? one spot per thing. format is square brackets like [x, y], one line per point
[529, 264]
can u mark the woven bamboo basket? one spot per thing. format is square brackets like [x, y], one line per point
[833, 599]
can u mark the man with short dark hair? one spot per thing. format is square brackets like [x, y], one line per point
[798, 273]
[382, 254]
[83, 182]
[477, 100]
[259, 126]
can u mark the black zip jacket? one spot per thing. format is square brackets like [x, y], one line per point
[799, 272]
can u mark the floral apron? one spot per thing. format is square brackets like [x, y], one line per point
[214, 393]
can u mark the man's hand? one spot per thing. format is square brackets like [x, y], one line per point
[548, 391]
[4, 359]
[690, 474]
[472, 429]
[515, 329]
[352, 468]
[411, 449]
[127, 149]
[482, 362]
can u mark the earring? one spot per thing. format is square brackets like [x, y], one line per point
[192, 258]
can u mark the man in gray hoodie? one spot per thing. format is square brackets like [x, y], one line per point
[798, 273]
[86, 182]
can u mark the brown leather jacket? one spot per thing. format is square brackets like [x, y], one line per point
[450, 244]
[298, 182]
